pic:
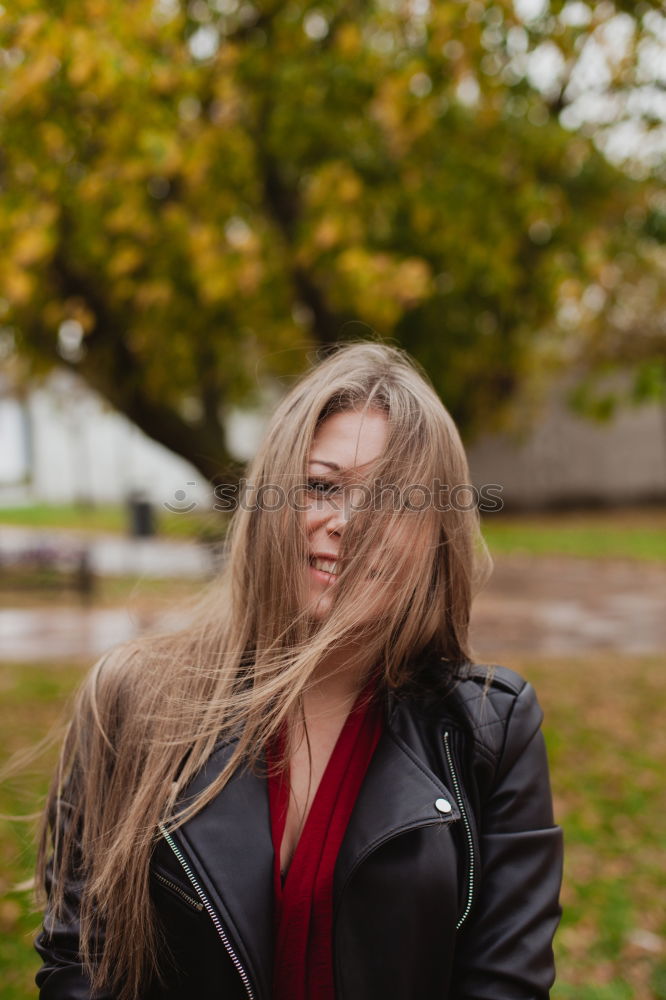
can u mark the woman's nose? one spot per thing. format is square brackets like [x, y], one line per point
[336, 520]
[342, 507]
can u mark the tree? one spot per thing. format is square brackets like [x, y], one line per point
[195, 197]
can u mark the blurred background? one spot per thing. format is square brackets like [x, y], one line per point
[195, 199]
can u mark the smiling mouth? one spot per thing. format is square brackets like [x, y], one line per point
[327, 566]
[330, 568]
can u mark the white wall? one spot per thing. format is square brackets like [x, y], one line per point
[14, 447]
[84, 450]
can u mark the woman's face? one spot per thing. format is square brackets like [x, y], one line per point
[342, 450]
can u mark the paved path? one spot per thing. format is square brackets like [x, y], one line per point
[558, 605]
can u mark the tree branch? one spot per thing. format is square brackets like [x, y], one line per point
[282, 205]
[111, 368]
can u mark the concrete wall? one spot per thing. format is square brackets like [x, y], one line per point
[567, 460]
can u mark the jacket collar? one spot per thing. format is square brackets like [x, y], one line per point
[228, 843]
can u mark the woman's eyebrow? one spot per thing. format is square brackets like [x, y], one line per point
[320, 461]
[343, 472]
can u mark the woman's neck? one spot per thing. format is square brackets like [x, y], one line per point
[338, 680]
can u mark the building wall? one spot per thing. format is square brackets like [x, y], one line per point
[567, 460]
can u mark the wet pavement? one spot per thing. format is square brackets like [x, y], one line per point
[558, 605]
[546, 605]
[45, 633]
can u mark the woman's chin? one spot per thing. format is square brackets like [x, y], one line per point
[319, 606]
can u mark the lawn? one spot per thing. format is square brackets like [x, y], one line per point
[620, 534]
[113, 518]
[607, 745]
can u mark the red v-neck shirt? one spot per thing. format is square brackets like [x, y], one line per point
[303, 964]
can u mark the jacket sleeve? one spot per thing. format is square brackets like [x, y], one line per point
[62, 975]
[504, 951]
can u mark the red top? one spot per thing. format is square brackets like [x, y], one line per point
[303, 967]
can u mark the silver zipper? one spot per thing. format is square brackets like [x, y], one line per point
[468, 831]
[209, 910]
[181, 892]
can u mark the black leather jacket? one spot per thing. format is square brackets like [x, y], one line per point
[446, 885]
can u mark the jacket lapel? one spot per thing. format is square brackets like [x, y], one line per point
[398, 794]
[229, 841]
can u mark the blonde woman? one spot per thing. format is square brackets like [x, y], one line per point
[312, 792]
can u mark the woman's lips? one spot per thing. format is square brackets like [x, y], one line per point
[328, 578]
[323, 577]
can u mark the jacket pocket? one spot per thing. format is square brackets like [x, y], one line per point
[176, 890]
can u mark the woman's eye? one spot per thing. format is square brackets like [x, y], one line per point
[321, 487]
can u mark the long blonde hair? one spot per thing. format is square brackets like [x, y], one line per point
[150, 712]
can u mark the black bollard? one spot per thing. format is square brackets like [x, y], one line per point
[141, 516]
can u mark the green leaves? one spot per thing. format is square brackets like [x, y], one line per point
[214, 187]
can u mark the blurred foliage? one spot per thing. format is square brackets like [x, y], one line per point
[197, 197]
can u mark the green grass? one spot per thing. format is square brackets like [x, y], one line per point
[31, 703]
[607, 745]
[633, 534]
[112, 518]
[79, 516]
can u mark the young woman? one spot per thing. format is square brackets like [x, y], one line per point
[312, 792]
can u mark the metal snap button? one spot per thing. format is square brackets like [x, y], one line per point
[443, 806]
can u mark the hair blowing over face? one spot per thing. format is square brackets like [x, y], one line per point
[150, 712]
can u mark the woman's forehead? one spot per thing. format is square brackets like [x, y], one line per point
[349, 439]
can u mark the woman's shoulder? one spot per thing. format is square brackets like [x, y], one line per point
[498, 704]
[112, 672]
[481, 687]
[495, 705]
[111, 691]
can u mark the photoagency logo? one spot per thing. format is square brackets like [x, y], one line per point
[182, 502]
[303, 496]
